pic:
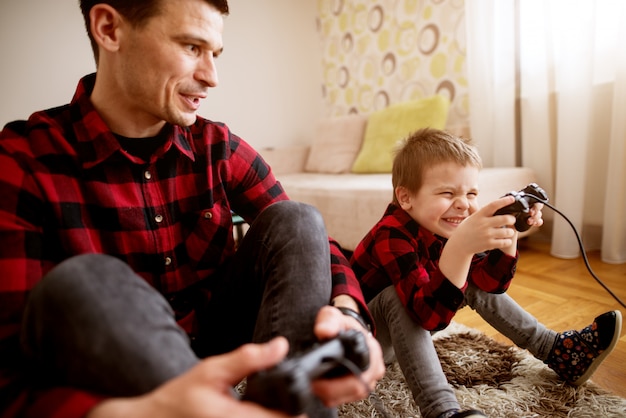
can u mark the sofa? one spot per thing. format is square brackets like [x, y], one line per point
[352, 189]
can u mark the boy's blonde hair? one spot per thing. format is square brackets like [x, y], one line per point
[425, 148]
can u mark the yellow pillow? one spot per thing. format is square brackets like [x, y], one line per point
[388, 126]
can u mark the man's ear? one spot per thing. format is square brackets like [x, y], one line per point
[105, 24]
[404, 197]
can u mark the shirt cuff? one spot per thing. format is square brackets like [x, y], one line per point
[64, 403]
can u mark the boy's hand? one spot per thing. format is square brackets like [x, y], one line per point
[481, 231]
[536, 216]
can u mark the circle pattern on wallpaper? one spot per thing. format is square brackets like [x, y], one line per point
[358, 20]
[381, 100]
[406, 39]
[344, 77]
[347, 42]
[446, 88]
[413, 91]
[337, 7]
[428, 39]
[376, 18]
[388, 66]
[386, 51]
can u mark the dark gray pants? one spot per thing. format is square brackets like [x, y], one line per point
[93, 323]
[405, 340]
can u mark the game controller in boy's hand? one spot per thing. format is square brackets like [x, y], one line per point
[524, 199]
[287, 386]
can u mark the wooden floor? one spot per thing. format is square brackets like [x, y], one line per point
[563, 295]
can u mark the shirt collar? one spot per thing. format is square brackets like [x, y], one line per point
[415, 229]
[95, 141]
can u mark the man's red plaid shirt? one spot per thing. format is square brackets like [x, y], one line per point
[67, 188]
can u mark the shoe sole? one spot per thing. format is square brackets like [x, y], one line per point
[469, 414]
[598, 360]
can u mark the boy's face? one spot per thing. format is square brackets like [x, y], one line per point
[448, 195]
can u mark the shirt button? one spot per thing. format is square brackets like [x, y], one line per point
[208, 215]
[147, 175]
[158, 218]
[168, 261]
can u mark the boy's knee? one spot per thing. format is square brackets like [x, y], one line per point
[473, 296]
[389, 298]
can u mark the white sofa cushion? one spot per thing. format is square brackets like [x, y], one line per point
[349, 203]
[336, 144]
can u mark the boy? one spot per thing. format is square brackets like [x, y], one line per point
[434, 251]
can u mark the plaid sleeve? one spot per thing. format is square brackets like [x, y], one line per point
[430, 298]
[252, 185]
[255, 187]
[62, 403]
[22, 265]
[493, 271]
[345, 281]
[20, 240]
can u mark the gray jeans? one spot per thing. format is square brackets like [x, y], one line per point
[93, 323]
[403, 339]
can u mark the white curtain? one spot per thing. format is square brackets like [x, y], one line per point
[547, 81]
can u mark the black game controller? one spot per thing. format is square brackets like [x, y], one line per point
[287, 386]
[524, 199]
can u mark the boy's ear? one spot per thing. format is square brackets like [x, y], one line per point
[105, 24]
[403, 196]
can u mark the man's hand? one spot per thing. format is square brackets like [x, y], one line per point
[333, 392]
[205, 391]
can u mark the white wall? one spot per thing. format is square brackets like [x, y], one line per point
[43, 52]
[270, 77]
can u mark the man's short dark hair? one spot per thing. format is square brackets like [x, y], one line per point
[137, 12]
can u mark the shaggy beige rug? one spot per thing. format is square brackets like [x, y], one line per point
[502, 381]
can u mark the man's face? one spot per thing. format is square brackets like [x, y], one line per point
[448, 195]
[166, 67]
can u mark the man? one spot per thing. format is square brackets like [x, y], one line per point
[119, 265]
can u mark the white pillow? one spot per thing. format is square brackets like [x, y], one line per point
[336, 144]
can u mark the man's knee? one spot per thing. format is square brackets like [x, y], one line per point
[297, 216]
[64, 296]
[75, 273]
[291, 209]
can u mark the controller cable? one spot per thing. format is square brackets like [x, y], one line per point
[582, 250]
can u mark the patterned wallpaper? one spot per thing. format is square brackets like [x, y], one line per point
[380, 52]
